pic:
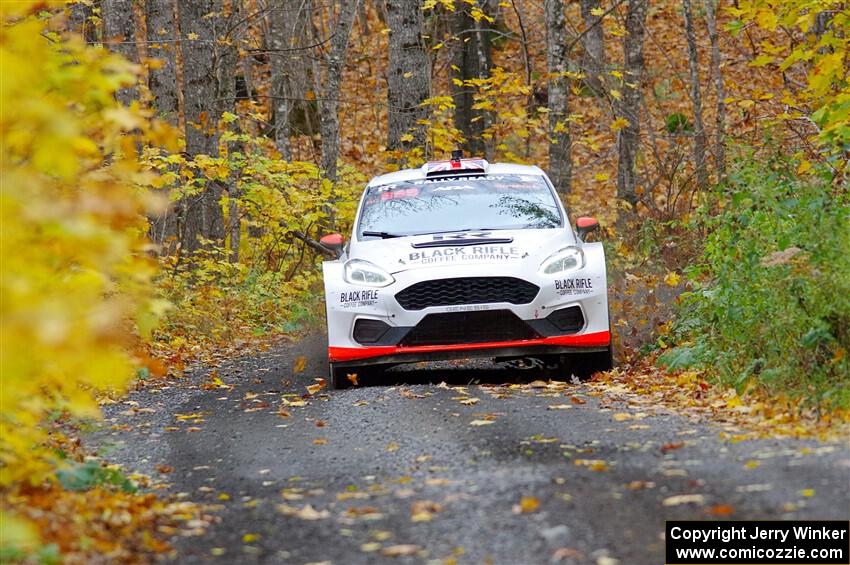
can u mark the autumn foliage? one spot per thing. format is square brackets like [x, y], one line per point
[109, 270]
[76, 277]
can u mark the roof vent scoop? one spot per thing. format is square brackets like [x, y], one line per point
[457, 164]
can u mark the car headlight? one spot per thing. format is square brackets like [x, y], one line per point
[563, 261]
[358, 271]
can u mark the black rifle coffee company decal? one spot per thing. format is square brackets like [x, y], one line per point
[571, 287]
[473, 253]
[357, 298]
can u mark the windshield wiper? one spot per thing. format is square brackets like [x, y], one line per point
[462, 230]
[382, 234]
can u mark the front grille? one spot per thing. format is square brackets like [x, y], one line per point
[469, 327]
[466, 290]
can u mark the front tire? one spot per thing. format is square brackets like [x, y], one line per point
[338, 377]
[584, 365]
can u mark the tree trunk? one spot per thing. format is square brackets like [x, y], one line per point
[628, 140]
[560, 158]
[720, 92]
[696, 98]
[408, 76]
[226, 66]
[162, 83]
[281, 31]
[162, 80]
[593, 61]
[329, 101]
[471, 59]
[80, 21]
[202, 214]
[119, 34]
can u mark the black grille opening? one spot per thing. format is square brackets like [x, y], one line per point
[466, 290]
[469, 327]
[369, 331]
[567, 319]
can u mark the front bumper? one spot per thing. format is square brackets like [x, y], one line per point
[367, 355]
[347, 304]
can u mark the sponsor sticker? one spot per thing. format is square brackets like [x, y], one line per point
[574, 286]
[494, 253]
[357, 298]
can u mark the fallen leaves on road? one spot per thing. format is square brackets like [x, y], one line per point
[480, 422]
[299, 365]
[314, 389]
[399, 550]
[720, 510]
[680, 499]
[593, 464]
[672, 446]
[307, 512]
[527, 504]
[424, 510]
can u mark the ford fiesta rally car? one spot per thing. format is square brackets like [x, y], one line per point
[463, 259]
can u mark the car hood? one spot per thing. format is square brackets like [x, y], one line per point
[462, 248]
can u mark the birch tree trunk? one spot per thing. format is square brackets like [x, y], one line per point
[593, 62]
[329, 101]
[408, 76]
[560, 159]
[119, 34]
[696, 98]
[719, 91]
[628, 140]
[202, 215]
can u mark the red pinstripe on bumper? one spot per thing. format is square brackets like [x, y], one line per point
[597, 339]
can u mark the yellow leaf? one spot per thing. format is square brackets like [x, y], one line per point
[684, 499]
[597, 12]
[808, 492]
[526, 504]
[299, 365]
[480, 422]
[672, 278]
[619, 124]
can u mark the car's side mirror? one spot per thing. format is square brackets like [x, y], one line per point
[333, 241]
[585, 225]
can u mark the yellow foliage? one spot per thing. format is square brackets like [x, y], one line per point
[74, 269]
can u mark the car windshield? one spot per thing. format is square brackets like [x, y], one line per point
[448, 204]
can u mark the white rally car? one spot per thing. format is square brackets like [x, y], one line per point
[462, 259]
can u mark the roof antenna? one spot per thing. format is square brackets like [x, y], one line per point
[457, 155]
